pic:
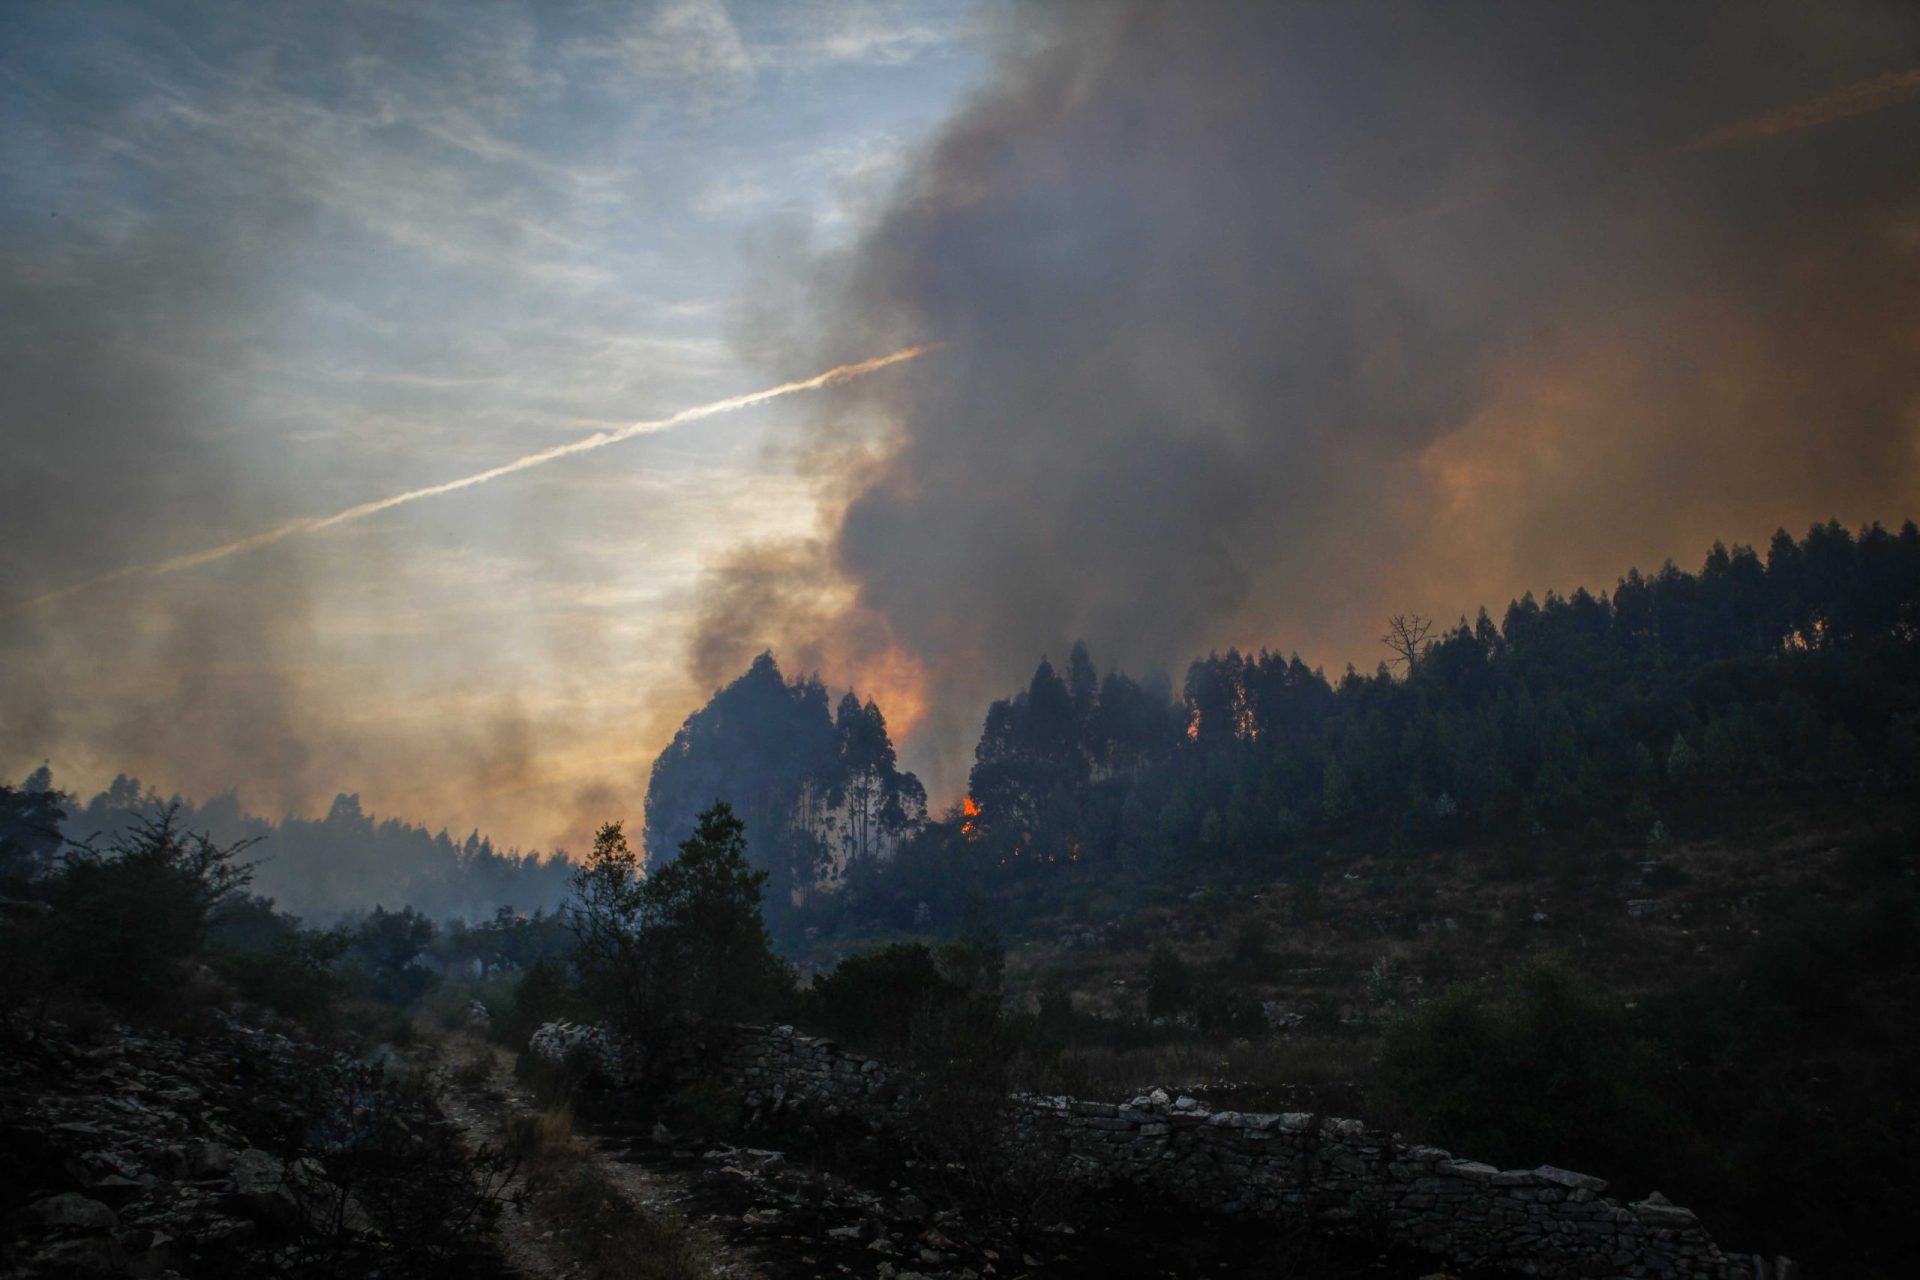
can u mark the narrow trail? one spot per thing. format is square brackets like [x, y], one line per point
[531, 1247]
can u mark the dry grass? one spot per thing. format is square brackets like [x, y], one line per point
[611, 1237]
[569, 1193]
[540, 1137]
[475, 1068]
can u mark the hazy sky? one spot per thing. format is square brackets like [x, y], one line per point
[1264, 321]
[264, 261]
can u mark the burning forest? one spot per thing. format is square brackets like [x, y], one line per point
[923, 638]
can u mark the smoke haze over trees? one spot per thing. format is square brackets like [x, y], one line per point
[1278, 319]
[1579, 718]
[319, 869]
[819, 792]
[1261, 320]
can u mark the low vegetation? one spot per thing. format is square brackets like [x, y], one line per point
[1624, 884]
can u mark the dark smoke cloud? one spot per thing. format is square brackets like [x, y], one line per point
[1267, 320]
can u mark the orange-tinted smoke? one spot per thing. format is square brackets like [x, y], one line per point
[1857, 99]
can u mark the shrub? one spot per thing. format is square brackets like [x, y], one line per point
[126, 919]
[1250, 955]
[542, 995]
[1554, 1074]
[1169, 981]
[968, 1060]
[708, 1107]
[871, 998]
[1224, 1008]
[681, 945]
[295, 976]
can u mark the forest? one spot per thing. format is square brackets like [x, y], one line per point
[1623, 882]
[320, 869]
[1572, 721]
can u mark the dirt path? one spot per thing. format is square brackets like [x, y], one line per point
[481, 1106]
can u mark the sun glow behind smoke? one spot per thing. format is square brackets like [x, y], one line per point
[598, 440]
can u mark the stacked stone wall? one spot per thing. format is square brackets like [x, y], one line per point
[1333, 1174]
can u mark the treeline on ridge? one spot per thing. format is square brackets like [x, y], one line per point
[1581, 717]
[321, 869]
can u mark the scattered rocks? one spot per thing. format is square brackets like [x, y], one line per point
[148, 1154]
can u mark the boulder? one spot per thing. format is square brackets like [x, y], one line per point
[73, 1211]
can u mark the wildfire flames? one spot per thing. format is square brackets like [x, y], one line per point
[969, 810]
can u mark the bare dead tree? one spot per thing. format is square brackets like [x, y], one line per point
[1407, 637]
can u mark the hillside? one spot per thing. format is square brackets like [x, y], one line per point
[1727, 1016]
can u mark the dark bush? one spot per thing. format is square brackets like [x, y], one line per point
[1226, 1009]
[968, 1060]
[1169, 981]
[1552, 1074]
[294, 974]
[126, 919]
[871, 998]
[542, 995]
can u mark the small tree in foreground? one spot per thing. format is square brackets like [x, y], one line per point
[663, 952]
[125, 918]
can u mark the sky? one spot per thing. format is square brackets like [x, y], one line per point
[261, 262]
[1258, 323]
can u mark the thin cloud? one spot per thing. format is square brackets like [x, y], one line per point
[599, 440]
[1861, 98]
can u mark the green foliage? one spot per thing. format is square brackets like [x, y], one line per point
[382, 1142]
[1169, 981]
[1055, 1015]
[1385, 986]
[708, 1107]
[294, 973]
[871, 998]
[1581, 718]
[1225, 1008]
[712, 946]
[542, 995]
[26, 965]
[968, 1059]
[975, 962]
[506, 942]
[792, 769]
[1249, 954]
[1553, 1069]
[347, 859]
[127, 919]
[383, 953]
[30, 820]
[683, 945]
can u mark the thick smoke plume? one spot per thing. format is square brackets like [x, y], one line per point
[1270, 320]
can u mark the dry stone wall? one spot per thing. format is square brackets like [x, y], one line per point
[1335, 1174]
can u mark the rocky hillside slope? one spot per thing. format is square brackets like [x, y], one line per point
[233, 1150]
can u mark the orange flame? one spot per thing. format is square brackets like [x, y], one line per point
[969, 810]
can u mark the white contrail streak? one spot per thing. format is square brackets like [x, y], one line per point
[598, 440]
